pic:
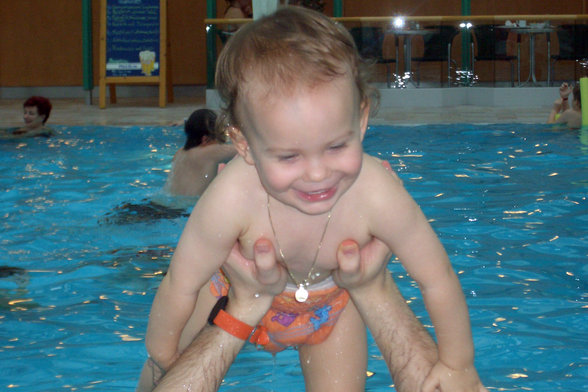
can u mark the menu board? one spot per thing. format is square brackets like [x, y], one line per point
[133, 46]
[132, 37]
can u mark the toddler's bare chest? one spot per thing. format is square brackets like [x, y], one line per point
[302, 243]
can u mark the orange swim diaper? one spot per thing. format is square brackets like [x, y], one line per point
[290, 323]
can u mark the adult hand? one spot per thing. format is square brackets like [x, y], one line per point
[265, 277]
[565, 90]
[361, 268]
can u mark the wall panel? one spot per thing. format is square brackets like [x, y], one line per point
[41, 40]
[40, 43]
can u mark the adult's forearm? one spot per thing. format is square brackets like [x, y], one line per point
[202, 366]
[204, 363]
[407, 348]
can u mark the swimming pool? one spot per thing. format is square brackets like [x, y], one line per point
[88, 249]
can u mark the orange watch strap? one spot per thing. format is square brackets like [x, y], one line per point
[233, 326]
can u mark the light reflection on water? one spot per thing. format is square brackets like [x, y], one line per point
[508, 202]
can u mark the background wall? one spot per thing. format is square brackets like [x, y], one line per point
[41, 40]
[40, 43]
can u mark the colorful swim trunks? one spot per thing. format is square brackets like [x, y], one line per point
[290, 323]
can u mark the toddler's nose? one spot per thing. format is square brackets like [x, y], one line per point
[316, 170]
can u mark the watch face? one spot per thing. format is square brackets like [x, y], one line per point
[220, 304]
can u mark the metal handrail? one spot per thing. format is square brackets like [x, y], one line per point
[211, 24]
[445, 18]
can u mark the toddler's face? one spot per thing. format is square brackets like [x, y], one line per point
[305, 145]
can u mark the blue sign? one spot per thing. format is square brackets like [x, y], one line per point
[132, 37]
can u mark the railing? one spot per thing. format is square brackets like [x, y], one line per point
[466, 47]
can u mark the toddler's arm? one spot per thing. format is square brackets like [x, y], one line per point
[400, 223]
[426, 261]
[206, 241]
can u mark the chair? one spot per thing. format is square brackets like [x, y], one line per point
[437, 47]
[491, 46]
[370, 42]
[573, 45]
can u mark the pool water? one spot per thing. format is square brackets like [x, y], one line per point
[87, 233]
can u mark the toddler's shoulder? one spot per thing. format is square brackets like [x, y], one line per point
[236, 184]
[379, 169]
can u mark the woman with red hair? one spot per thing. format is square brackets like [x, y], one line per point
[36, 112]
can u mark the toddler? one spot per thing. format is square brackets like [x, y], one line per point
[297, 108]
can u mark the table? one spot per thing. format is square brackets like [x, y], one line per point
[531, 31]
[407, 34]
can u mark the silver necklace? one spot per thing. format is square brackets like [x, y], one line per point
[301, 294]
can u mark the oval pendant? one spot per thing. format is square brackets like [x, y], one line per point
[301, 294]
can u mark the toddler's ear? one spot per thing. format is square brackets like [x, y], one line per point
[364, 117]
[241, 144]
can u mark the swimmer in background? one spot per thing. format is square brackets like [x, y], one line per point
[238, 9]
[36, 113]
[196, 164]
[297, 107]
[562, 112]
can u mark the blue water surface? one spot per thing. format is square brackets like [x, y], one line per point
[87, 249]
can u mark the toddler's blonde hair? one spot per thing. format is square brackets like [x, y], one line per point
[294, 47]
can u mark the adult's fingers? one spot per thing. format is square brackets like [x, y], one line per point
[348, 257]
[265, 261]
[269, 272]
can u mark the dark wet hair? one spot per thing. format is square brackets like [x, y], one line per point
[42, 104]
[201, 123]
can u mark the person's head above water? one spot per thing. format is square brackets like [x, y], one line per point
[244, 5]
[291, 50]
[200, 128]
[36, 111]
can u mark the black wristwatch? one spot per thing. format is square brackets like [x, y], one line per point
[221, 304]
[228, 323]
